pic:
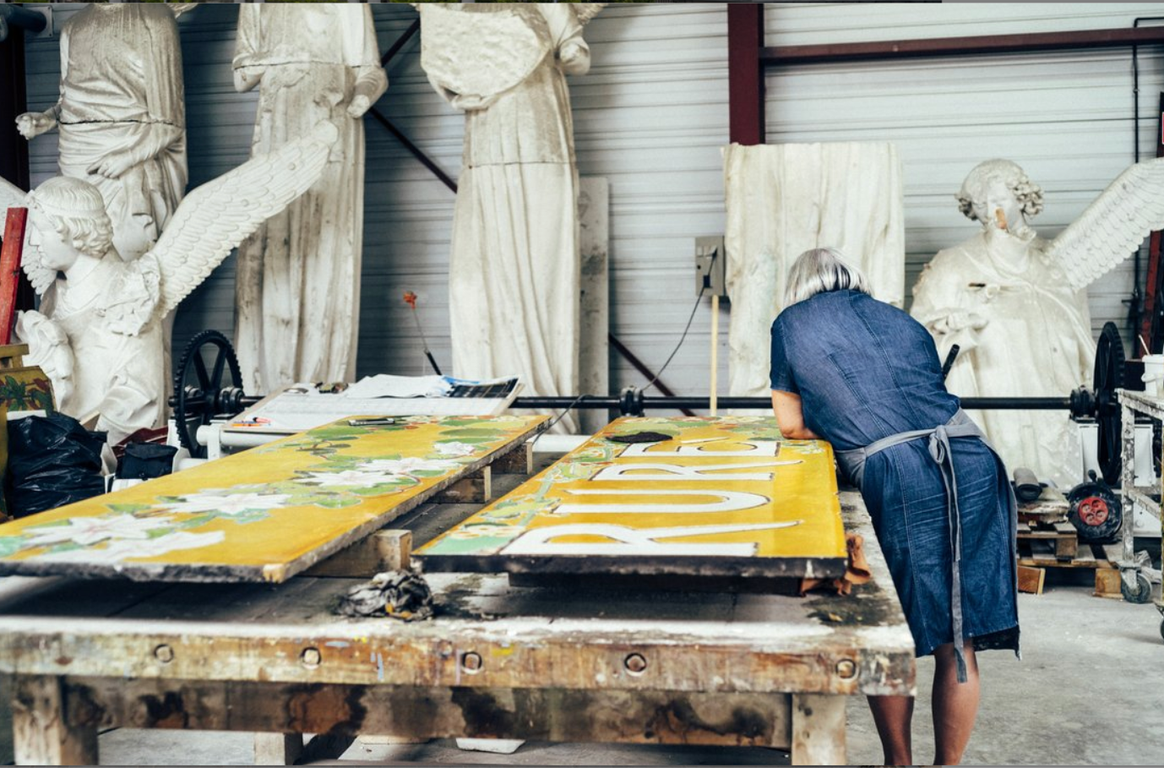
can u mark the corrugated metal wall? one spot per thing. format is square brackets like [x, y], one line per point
[651, 117]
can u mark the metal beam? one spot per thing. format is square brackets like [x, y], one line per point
[960, 46]
[745, 73]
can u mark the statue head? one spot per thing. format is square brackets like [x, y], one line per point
[1000, 194]
[67, 219]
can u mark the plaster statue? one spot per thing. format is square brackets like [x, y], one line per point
[784, 199]
[297, 288]
[121, 115]
[1016, 304]
[98, 335]
[514, 271]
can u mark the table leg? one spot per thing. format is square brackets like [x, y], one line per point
[278, 748]
[818, 729]
[42, 733]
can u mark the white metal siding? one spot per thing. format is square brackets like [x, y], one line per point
[651, 116]
[1066, 117]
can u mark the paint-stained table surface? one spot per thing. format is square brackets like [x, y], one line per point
[496, 661]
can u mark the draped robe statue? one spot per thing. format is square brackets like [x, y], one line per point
[1023, 329]
[121, 115]
[514, 271]
[297, 288]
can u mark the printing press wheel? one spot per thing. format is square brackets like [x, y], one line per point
[1108, 377]
[200, 392]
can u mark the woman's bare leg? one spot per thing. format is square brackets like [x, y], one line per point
[955, 704]
[893, 715]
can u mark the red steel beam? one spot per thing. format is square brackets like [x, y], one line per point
[959, 46]
[745, 73]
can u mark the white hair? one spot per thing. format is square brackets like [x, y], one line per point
[819, 271]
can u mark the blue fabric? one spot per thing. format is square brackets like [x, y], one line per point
[866, 371]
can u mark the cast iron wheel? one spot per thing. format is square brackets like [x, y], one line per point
[1108, 376]
[1141, 593]
[200, 393]
[1095, 511]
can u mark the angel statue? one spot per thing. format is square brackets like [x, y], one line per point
[1016, 304]
[515, 268]
[98, 335]
[121, 115]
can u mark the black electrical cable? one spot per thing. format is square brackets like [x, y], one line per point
[683, 338]
[569, 407]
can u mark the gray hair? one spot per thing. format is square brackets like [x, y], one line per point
[819, 271]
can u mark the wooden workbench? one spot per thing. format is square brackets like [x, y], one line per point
[497, 661]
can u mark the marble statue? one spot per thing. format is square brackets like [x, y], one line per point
[514, 268]
[784, 199]
[98, 334]
[1016, 304]
[297, 288]
[121, 115]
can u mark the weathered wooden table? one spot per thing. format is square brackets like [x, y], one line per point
[497, 661]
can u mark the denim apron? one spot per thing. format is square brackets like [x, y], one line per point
[960, 426]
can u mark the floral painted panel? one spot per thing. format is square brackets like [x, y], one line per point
[266, 513]
[726, 495]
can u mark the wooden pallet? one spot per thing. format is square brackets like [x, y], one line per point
[1059, 539]
[1057, 545]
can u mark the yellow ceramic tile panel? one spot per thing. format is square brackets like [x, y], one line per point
[252, 514]
[726, 487]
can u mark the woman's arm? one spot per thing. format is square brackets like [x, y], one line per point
[790, 416]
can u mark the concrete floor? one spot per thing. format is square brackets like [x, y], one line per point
[1088, 691]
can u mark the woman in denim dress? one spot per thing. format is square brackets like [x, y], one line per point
[866, 377]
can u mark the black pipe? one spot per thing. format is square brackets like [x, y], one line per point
[765, 403]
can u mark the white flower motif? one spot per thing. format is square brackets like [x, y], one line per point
[348, 477]
[408, 465]
[90, 530]
[455, 450]
[119, 550]
[487, 530]
[228, 503]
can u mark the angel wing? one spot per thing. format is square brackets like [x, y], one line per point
[220, 214]
[11, 196]
[584, 12]
[1113, 226]
[40, 276]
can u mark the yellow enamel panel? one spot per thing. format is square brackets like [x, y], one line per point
[264, 513]
[723, 489]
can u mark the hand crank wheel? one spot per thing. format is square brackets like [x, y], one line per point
[200, 392]
[1108, 377]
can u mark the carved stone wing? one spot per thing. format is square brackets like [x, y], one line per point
[40, 276]
[11, 196]
[220, 214]
[1113, 226]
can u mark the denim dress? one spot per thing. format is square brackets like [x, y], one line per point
[864, 371]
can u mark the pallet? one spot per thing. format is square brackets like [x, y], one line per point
[1061, 537]
[1047, 547]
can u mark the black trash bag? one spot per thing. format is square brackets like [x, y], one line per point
[52, 461]
[145, 461]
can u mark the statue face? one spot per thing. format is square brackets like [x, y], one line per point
[54, 251]
[996, 206]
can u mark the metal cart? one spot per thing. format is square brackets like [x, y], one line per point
[1136, 573]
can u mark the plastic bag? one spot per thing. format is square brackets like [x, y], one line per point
[52, 461]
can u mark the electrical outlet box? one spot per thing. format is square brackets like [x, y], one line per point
[710, 266]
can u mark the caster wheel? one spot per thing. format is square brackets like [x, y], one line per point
[1141, 594]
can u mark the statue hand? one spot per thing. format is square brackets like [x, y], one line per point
[961, 320]
[113, 165]
[32, 124]
[574, 58]
[359, 105]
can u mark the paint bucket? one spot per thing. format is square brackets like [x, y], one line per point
[1153, 377]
